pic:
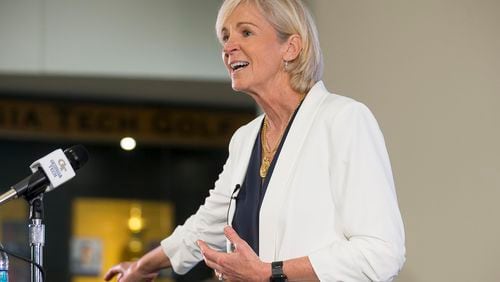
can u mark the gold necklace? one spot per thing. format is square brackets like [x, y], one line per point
[268, 155]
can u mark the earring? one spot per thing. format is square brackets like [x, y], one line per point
[286, 65]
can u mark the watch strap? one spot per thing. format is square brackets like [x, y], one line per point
[277, 273]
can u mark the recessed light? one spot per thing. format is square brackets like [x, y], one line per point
[128, 143]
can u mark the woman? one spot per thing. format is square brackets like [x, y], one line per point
[307, 186]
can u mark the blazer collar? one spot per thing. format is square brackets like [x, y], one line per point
[277, 191]
[244, 151]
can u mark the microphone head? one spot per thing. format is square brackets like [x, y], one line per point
[77, 156]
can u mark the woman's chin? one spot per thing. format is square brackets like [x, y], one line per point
[237, 86]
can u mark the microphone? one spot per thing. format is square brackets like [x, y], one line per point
[236, 189]
[48, 173]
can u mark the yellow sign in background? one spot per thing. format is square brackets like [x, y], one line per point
[108, 227]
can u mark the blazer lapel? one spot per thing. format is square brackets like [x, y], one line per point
[244, 152]
[276, 193]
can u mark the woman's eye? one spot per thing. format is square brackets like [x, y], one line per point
[224, 36]
[247, 33]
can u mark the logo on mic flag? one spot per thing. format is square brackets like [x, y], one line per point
[55, 165]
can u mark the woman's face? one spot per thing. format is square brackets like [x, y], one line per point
[252, 52]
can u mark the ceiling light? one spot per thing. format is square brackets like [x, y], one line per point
[127, 143]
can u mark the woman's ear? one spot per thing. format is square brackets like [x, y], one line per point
[293, 47]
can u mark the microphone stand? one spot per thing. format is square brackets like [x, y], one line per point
[36, 235]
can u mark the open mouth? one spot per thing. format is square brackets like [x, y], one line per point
[235, 66]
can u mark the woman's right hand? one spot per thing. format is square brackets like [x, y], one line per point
[129, 272]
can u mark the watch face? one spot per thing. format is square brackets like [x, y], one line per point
[278, 278]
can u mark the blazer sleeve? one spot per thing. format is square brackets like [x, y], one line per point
[366, 204]
[206, 224]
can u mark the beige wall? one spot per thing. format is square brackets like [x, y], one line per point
[430, 71]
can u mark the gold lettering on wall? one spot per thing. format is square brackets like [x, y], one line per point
[108, 123]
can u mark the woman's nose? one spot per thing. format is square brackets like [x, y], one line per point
[230, 46]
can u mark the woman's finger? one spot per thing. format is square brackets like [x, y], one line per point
[212, 258]
[117, 269]
[231, 235]
[209, 253]
[112, 272]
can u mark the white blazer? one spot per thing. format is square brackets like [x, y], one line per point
[331, 196]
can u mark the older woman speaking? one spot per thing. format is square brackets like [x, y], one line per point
[307, 191]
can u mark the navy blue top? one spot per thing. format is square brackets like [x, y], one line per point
[253, 189]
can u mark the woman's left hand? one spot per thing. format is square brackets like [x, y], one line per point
[242, 264]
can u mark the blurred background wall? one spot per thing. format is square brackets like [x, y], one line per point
[427, 69]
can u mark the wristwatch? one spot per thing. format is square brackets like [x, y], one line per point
[277, 272]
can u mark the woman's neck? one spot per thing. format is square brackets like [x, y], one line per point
[278, 105]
